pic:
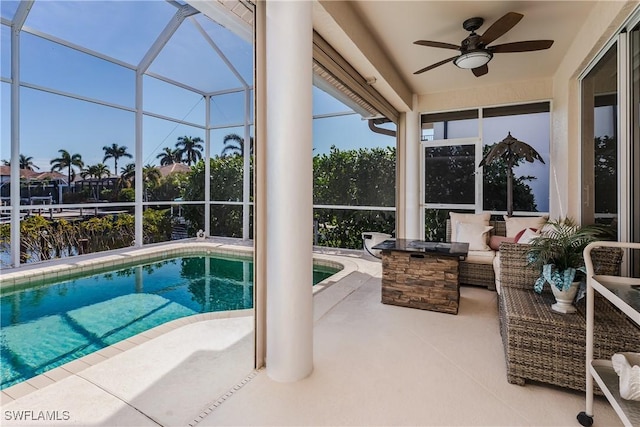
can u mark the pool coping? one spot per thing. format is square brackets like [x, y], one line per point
[22, 276]
[17, 278]
[68, 369]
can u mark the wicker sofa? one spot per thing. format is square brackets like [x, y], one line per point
[545, 346]
[478, 273]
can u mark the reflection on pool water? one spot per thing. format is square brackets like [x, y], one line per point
[48, 325]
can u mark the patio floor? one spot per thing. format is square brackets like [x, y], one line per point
[374, 364]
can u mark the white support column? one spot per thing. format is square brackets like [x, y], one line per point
[401, 192]
[413, 225]
[139, 182]
[246, 165]
[289, 201]
[14, 186]
[207, 168]
[260, 188]
[15, 147]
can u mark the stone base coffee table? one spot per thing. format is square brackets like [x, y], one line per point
[420, 274]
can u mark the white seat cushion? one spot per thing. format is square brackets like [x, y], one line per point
[462, 217]
[475, 234]
[480, 257]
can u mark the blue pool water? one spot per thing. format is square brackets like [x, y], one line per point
[51, 324]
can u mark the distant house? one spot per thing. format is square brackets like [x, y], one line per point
[174, 168]
[34, 186]
[95, 186]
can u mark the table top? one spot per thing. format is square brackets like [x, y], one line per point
[453, 249]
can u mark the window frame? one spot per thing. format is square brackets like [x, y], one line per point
[478, 143]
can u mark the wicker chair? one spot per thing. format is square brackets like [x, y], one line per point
[549, 347]
[472, 273]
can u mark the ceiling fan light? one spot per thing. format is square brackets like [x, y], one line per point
[473, 59]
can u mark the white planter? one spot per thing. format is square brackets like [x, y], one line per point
[564, 299]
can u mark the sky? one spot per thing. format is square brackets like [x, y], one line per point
[50, 122]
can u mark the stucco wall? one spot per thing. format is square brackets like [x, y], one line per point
[504, 93]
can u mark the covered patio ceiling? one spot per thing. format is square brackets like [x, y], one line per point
[377, 37]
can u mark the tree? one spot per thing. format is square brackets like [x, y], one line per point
[151, 175]
[234, 145]
[98, 171]
[190, 149]
[169, 156]
[170, 187]
[151, 178]
[606, 174]
[364, 177]
[115, 152]
[26, 162]
[67, 161]
[226, 185]
[127, 175]
[448, 176]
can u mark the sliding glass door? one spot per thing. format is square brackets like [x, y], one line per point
[610, 145]
[634, 148]
[600, 142]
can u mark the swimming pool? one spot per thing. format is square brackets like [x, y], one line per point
[52, 323]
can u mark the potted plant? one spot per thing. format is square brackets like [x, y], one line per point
[557, 253]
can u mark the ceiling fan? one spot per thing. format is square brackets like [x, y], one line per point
[474, 50]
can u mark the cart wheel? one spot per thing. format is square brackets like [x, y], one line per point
[584, 419]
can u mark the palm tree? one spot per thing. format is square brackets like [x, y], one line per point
[151, 174]
[190, 149]
[26, 162]
[511, 151]
[98, 171]
[127, 175]
[234, 144]
[151, 177]
[114, 152]
[67, 161]
[169, 156]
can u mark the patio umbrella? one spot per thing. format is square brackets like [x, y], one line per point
[511, 151]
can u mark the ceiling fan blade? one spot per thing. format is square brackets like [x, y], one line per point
[527, 46]
[437, 64]
[480, 71]
[436, 44]
[500, 27]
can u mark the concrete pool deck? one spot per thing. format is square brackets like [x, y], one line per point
[374, 364]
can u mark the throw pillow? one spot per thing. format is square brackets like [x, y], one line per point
[521, 232]
[514, 224]
[469, 218]
[527, 235]
[494, 241]
[476, 235]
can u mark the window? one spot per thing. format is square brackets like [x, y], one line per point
[454, 144]
[529, 123]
